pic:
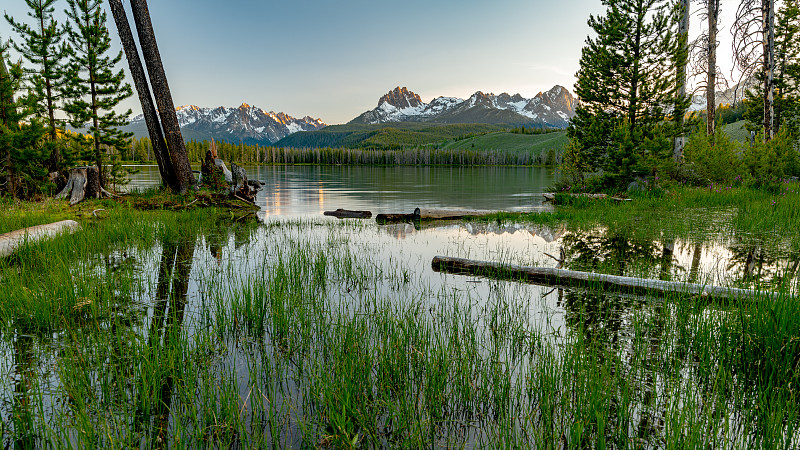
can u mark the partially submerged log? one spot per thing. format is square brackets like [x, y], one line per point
[549, 277]
[398, 218]
[550, 196]
[83, 182]
[348, 214]
[454, 214]
[434, 214]
[9, 242]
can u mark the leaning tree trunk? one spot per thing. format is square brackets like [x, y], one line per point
[83, 182]
[768, 43]
[711, 73]
[166, 108]
[143, 89]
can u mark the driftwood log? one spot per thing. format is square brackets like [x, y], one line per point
[398, 218]
[550, 196]
[454, 214]
[9, 242]
[348, 214]
[550, 277]
[434, 214]
[83, 182]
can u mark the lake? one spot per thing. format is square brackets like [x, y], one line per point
[301, 191]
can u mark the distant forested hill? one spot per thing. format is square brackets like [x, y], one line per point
[384, 137]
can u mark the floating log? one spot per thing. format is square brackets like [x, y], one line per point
[398, 218]
[454, 214]
[348, 214]
[434, 214]
[83, 182]
[9, 242]
[549, 277]
[550, 196]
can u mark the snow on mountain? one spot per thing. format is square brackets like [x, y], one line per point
[553, 108]
[245, 123]
[729, 96]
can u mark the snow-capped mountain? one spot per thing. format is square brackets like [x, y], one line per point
[553, 109]
[246, 124]
[730, 96]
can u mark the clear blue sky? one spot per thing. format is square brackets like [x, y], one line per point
[333, 60]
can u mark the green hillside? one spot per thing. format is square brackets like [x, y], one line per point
[535, 143]
[737, 132]
[384, 137]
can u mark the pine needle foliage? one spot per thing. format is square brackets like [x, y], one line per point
[94, 87]
[627, 85]
[42, 45]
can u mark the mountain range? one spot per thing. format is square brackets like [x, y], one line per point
[551, 109]
[731, 95]
[246, 124]
[252, 125]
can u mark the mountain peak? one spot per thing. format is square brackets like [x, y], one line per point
[246, 124]
[552, 109]
[401, 98]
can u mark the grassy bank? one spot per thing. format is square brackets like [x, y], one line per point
[191, 330]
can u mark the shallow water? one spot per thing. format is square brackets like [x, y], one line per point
[261, 311]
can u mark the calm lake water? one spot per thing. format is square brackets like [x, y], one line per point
[298, 191]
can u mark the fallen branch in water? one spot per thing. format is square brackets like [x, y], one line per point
[549, 277]
[348, 214]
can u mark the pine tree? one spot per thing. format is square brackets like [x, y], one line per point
[626, 82]
[43, 46]
[21, 155]
[94, 89]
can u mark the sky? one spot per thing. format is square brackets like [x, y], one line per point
[334, 60]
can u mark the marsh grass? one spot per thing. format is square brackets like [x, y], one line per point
[185, 330]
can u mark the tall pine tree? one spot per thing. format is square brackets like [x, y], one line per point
[627, 84]
[43, 46]
[21, 155]
[93, 87]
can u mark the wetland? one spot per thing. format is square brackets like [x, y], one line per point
[163, 329]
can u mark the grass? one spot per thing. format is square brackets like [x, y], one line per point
[538, 144]
[737, 132]
[185, 329]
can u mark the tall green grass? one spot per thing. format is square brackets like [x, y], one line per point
[203, 333]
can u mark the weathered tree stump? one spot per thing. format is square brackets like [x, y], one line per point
[347, 214]
[240, 186]
[83, 182]
[213, 172]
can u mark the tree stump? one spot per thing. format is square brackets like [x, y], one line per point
[240, 186]
[213, 174]
[83, 182]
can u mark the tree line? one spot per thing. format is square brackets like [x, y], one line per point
[633, 84]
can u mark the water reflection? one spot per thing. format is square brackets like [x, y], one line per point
[302, 191]
[391, 263]
[165, 328]
[22, 412]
